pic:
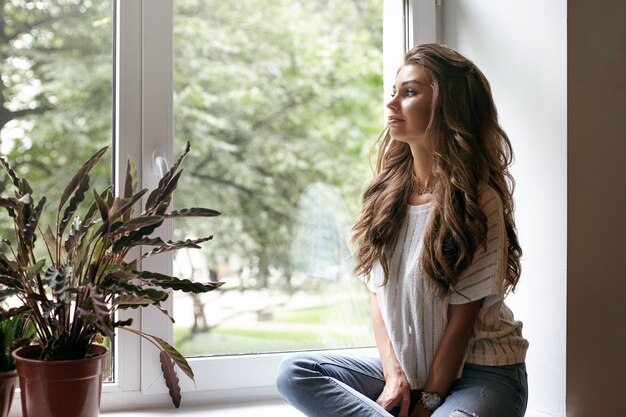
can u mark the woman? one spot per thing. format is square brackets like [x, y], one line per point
[439, 251]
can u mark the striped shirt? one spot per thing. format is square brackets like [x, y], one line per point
[415, 320]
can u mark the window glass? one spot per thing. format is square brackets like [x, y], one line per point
[55, 96]
[281, 101]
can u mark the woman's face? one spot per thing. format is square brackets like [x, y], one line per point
[409, 108]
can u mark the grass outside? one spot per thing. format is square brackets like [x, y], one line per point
[336, 325]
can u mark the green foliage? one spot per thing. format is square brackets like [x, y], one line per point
[15, 332]
[274, 94]
[72, 302]
[56, 90]
[277, 95]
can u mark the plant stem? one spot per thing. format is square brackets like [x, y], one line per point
[47, 247]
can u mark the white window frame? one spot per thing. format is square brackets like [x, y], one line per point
[143, 130]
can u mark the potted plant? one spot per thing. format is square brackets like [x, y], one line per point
[71, 295]
[15, 331]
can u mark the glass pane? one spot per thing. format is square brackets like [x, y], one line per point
[281, 101]
[56, 95]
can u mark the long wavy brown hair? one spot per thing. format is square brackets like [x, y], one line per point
[468, 148]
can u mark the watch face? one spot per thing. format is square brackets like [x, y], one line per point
[431, 401]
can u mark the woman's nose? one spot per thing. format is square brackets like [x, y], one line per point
[392, 104]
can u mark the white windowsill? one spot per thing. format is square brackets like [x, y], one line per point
[258, 409]
[274, 408]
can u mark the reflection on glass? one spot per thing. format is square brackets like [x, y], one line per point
[56, 93]
[281, 102]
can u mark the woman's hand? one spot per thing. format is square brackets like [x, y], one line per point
[396, 394]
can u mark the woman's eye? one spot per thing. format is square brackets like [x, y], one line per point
[410, 93]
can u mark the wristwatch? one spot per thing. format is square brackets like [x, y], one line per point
[430, 400]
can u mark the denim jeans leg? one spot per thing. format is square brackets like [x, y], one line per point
[487, 391]
[322, 385]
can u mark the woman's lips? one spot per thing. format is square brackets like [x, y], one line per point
[394, 119]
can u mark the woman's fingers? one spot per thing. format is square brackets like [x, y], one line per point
[391, 398]
[404, 404]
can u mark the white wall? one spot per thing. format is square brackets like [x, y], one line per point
[520, 45]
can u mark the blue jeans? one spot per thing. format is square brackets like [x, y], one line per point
[322, 385]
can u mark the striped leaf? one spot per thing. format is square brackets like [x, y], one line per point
[192, 212]
[76, 181]
[171, 379]
[176, 357]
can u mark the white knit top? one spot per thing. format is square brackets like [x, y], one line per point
[415, 320]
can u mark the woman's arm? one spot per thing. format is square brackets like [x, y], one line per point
[397, 391]
[451, 350]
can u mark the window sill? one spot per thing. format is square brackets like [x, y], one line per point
[268, 408]
[274, 408]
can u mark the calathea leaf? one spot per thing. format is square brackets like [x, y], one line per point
[166, 281]
[130, 185]
[91, 212]
[11, 283]
[127, 288]
[125, 301]
[147, 241]
[126, 242]
[35, 269]
[123, 323]
[18, 343]
[50, 241]
[160, 195]
[192, 212]
[86, 312]
[8, 267]
[76, 234]
[101, 309]
[78, 177]
[159, 198]
[8, 292]
[17, 181]
[9, 202]
[58, 281]
[137, 223]
[7, 314]
[32, 221]
[103, 208]
[165, 312]
[185, 285]
[171, 379]
[182, 156]
[172, 246]
[176, 356]
[76, 199]
[122, 205]
[117, 274]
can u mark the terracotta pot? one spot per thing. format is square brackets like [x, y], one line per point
[60, 388]
[8, 380]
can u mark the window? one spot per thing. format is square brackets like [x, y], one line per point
[281, 117]
[56, 97]
[281, 100]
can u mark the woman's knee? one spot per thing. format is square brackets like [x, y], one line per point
[292, 370]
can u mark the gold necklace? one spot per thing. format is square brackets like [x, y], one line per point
[424, 190]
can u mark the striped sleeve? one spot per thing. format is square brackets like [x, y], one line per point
[484, 278]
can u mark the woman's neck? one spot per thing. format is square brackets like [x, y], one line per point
[422, 168]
